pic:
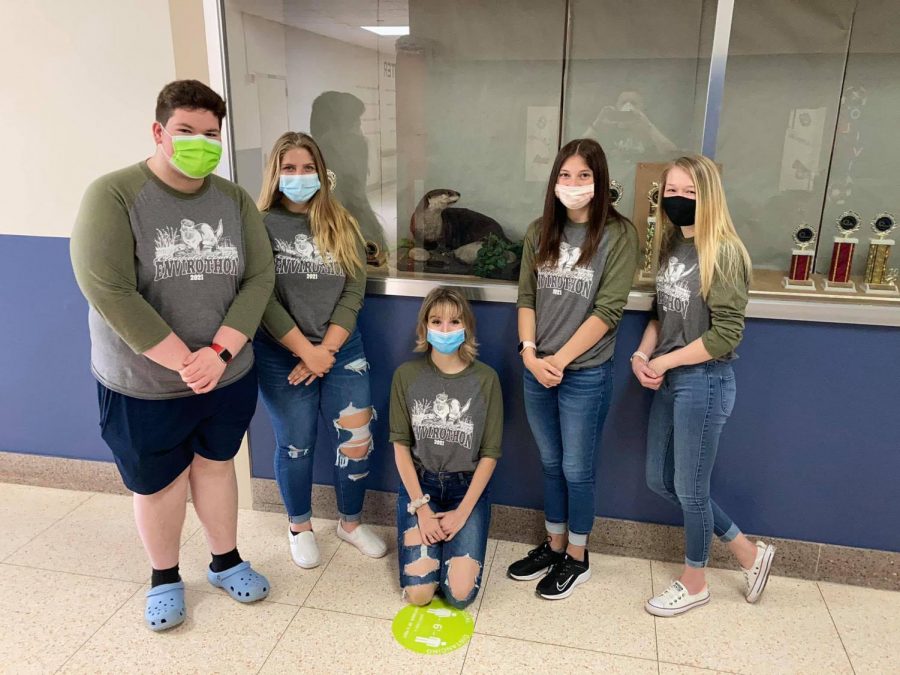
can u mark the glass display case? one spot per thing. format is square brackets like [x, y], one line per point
[441, 120]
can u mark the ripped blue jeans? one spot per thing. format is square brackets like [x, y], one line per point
[423, 564]
[342, 401]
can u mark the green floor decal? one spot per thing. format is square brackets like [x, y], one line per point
[437, 628]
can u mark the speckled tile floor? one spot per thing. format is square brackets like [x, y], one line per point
[73, 576]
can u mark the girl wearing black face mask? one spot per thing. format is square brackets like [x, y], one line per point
[697, 321]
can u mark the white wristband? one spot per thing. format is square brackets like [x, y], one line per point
[417, 504]
[642, 355]
[526, 344]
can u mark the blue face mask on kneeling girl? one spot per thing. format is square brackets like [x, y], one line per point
[446, 343]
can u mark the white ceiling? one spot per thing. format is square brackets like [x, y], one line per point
[338, 19]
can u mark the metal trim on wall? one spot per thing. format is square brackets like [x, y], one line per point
[821, 311]
[716, 86]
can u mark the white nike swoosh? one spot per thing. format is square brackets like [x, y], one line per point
[560, 587]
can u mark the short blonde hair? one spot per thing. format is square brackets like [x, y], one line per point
[452, 299]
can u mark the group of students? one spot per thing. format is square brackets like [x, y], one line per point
[200, 298]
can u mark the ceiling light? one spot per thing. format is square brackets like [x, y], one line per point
[387, 30]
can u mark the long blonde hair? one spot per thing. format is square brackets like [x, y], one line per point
[441, 298]
[334, 229]
[719, 248]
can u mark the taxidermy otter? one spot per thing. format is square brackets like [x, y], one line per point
[435, 226]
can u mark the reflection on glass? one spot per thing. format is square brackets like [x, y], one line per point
[782, 92]
[440, 120]
[867, 145]
[636, 83]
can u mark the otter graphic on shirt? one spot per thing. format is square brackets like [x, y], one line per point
[672, 290]
[194, 249]
[302, 256]
[442, 420]
[566, 276]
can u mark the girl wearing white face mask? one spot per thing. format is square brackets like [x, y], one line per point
[578, 264]
[309, 353]
[446, 427]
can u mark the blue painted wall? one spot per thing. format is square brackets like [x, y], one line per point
[812, 450]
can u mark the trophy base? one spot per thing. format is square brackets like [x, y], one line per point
[881, 289]
[795, 285]
[840, 286]
[647, 277]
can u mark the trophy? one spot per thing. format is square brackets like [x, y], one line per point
[647, 264]
[842, 254]
[802, 256]
[879, 279]
[615, 192]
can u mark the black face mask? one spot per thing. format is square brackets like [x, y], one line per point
[681, 210]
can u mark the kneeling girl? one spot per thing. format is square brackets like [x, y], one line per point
[446, 426]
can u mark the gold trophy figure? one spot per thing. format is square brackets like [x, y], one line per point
[647, 262]
[799, 276]
[878, 278]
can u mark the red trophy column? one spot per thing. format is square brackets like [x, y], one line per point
[798, 277]
[842, 254]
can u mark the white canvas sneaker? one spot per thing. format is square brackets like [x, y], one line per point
[304, 549]
[756, 577]
[364, 539]
[676, 600]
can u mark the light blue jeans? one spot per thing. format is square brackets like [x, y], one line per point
[687, 416]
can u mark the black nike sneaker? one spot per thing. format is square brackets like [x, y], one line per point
[563, 577]
[535, 564]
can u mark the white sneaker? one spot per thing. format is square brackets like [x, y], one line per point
[676, 600]
[756, 577]
[304, 549]
[364, 539]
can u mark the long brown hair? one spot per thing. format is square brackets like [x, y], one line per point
[332, 226]
[719, 248]
[601, 210]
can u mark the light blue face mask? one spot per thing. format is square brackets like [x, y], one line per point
[446, 343]
[299, 188]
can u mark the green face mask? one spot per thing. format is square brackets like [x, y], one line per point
[195, 156]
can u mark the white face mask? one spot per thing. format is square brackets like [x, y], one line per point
[574, 196]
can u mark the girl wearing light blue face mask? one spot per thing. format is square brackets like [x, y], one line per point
[446, 426]
[309, 353]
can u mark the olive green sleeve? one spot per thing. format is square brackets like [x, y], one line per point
[102, 252]
[727, 304]
[276, 319]
[252, 299]
[618, 276]
[492, 438]
[351, 300]
[527, 275]
[400, 422]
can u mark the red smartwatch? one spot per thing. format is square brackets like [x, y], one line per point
[223, 353]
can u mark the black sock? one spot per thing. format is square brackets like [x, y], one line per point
[169, 576]
[225, 561]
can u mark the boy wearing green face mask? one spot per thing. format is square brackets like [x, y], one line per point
[177, 269]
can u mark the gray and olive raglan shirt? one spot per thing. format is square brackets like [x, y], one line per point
[449, 422]
[564, 295]
[684, 315]
[151, 261]
[311, 288]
